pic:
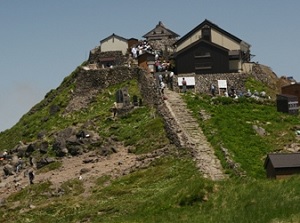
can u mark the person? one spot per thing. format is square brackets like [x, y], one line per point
[213, 90]
[171, 80]
[183, 82]
[162, 87]
[5, 154]
[160, 78]
[115, 109]
[134, 52]
[226, 94]
[31, 176]
[19, 165]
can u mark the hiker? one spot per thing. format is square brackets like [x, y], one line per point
[171, 80]
[31, 176]
[213, 90]
[115, 109]
[162, 87]
[183, 82]
[19, 165]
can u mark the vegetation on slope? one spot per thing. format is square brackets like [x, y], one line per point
[171, 189]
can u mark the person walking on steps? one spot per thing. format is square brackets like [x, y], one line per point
[183, 82]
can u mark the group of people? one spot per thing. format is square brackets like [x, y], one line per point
[162, 66]
[139, 49]
[166, 81]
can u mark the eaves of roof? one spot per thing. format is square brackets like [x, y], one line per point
[212, 25]
[114, 35]
[198, 42]
[283, 160]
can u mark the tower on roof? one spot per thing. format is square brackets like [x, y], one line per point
[160, 32]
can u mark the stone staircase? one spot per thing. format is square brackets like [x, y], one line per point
[191, 136]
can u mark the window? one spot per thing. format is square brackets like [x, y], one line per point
[206, 33]
[202, 54]
[203, 66]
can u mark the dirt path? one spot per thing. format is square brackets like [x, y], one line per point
[203, 152]
[88, 167]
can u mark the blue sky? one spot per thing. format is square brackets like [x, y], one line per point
[42, 42]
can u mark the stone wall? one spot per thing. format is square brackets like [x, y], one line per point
[236, 80]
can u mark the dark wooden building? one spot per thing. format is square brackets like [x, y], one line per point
[287, 104]
[160, 32]
[202, 57]
[292, 89]
[147, 61]
[207, 44]
[281, 165]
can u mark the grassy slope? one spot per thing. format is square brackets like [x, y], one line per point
[171, 190]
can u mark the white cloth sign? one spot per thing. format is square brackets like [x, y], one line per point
[222, 84]
[190, 81]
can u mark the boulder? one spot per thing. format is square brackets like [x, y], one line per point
[44, 161]
[59, 147]
[8, 170]
[44, 147]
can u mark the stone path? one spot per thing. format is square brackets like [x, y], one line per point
[191, 136]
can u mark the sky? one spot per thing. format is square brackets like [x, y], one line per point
[42, 42]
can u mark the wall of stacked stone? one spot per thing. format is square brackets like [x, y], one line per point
[236, 80]
[96, 55]
[102, 78]
[151, 94]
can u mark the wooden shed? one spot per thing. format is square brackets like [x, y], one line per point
[202, 57]
[292, 89]
[287, 104]
[147, 61]
[281, 165]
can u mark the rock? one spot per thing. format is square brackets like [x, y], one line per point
[44, 161]
[88, 160]
[84, 170]
[59, 147]
[8, 170]
[44, 147]
[259, 130]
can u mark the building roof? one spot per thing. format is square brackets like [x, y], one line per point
[283, 160]
[212, 25]
[291, 85]
[115, 36]
[158, 27]
[198, 42]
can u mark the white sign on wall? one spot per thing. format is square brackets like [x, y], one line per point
[190, 81]
[222, 84]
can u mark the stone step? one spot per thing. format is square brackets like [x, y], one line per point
[205, 158]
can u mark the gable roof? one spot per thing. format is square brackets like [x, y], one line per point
[160, 26]
[198, 42]
[114, 35]
[212, 25]
[283, 160]
[291, 85]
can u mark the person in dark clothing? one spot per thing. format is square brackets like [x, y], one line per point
[183, 85]
[31, 176]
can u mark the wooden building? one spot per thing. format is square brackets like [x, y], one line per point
[221, 41]
[287, 104]
[114, 43]
[281, 165]
[147, 61]
[292, 89]
[202, 57]
[160, 32]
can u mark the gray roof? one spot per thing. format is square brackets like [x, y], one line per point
[283, 160]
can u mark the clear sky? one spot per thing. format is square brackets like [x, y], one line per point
[42, 42]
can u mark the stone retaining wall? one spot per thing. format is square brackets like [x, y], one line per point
[236, 80]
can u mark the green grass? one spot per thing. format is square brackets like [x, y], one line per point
[231, 126]
[171, 189]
